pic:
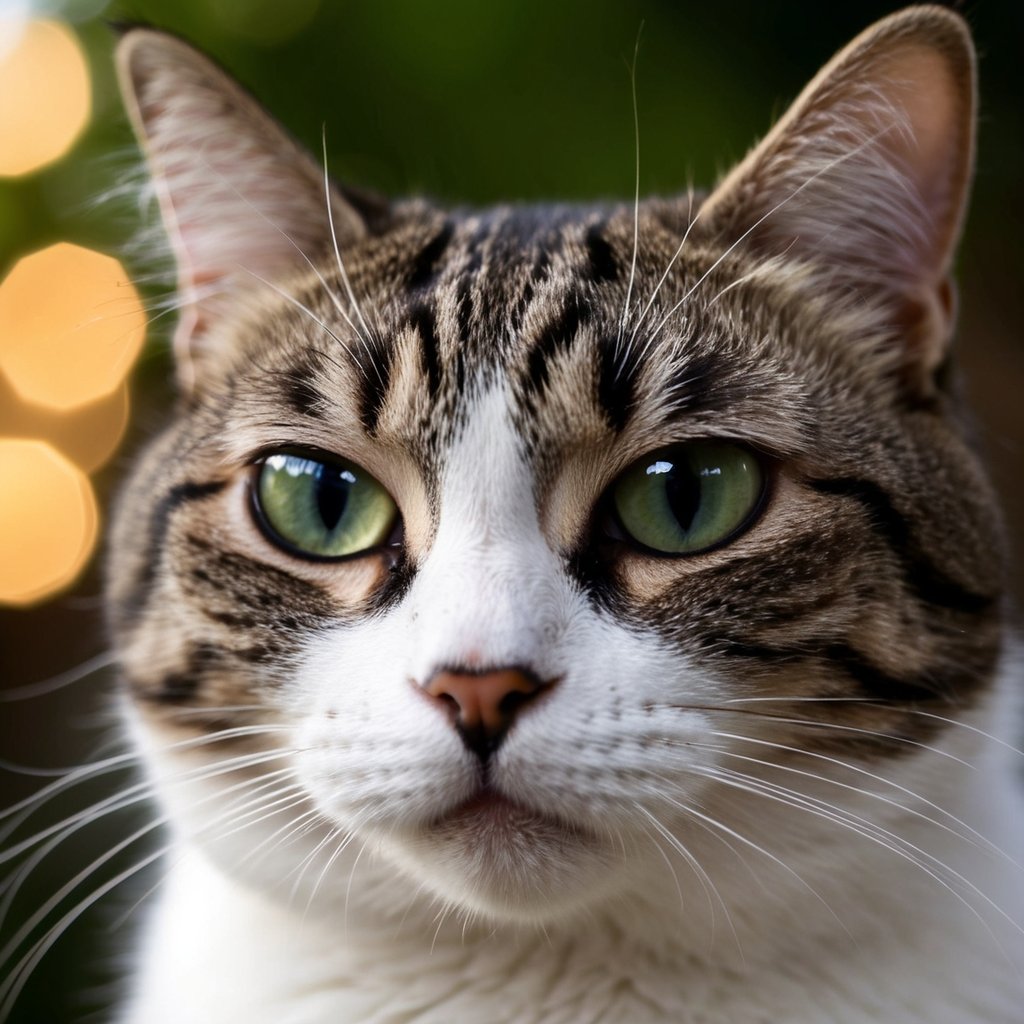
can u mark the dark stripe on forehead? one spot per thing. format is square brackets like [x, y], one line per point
[617, 370]
[376, 363]
[537, 273]
[542, 263]
[424, 322]
[556, 336]
[705, 382]
[603, 264]
[924, 579]
[465, 306]
[299, 392]
[426, 262]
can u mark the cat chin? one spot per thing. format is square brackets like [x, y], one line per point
[507, 862]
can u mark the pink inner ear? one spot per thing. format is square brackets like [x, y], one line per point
[871, 168]
[242, 202]
[863, 181]
[934, 152]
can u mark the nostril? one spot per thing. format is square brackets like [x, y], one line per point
[483, 705]
[449, 701]
[512, 701]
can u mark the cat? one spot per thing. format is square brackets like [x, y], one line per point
[574, 614]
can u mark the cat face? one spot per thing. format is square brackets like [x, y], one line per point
[504, 550]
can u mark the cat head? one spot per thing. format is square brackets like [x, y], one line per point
[518, 551]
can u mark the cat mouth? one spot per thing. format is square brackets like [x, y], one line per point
[486, 806]
[489, 812]
[501, 855]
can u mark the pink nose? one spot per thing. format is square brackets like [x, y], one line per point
[484, 704]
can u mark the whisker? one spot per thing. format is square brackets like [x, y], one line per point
[351, 879]
[335, 854]
[21, 811]
[288, 833]
[691, 220]
[42, 912]
[300, 869]
[624, 316]
[304, 308]
[243, 804]
[136, 794]
[58, 682]
[714, 823]
[883, 837]
[875, 702]
[818, 724]
[166, 874]
[20, 973]
[710, 889]
[336, 302]
[366, 333]
[826, 169]
[857, 769]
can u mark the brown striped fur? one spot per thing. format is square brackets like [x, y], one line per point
[802, 309]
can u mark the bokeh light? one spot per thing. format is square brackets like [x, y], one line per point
[88, 436]
[93, 433]
[71, 325]
[45, 96]
[48, 521]
[14, 16]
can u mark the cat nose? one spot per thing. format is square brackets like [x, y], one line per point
[484, 704]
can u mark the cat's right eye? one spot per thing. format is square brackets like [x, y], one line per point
[321, 509]
[689, 498]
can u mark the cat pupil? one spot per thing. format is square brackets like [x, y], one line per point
[683, 492]
[333, 487]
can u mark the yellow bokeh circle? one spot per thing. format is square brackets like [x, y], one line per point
[88, 436]
[45, 97]
[48, 521]
[98, 431]
[71, 325]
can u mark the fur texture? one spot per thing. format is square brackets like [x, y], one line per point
[764, 782]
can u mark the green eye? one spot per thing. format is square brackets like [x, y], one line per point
[322, 509]
[688, 498]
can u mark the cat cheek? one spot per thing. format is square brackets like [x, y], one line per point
[369, 746]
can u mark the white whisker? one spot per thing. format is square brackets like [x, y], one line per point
[624, 316]
[366, 332]
[58, 682]
[826, 169]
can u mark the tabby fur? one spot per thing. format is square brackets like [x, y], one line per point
[768, 783]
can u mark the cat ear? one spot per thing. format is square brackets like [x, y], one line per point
[864, 179]
[241, 201]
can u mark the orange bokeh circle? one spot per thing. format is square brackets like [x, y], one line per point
[48, 521]
[45, 96]
[71, 325]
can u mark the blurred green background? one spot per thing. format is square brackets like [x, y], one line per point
[472, 102]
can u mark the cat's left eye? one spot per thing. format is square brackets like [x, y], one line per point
[688, 498]
[321, 509]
